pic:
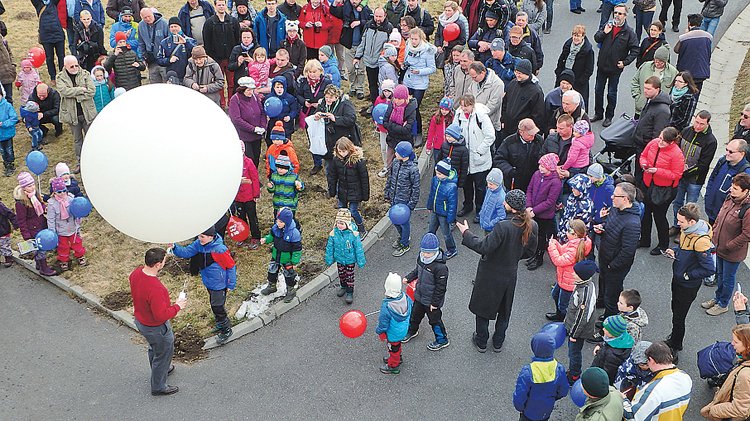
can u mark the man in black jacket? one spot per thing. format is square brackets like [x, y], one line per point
[221, 33]
[524, 98]
[742, 129]
[49, 108]
[290, 9]
[654, 118]
[619, 47]
[519, 155]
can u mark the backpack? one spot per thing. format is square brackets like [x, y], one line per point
[716, 361]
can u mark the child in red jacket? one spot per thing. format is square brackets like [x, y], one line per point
[440, 121]
[244, 203]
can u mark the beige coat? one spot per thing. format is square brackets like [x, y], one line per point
[490, 93]
[738, 409]
[83, 93]
[209, 75]
[7, 67]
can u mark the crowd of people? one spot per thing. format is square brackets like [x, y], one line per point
[521, 156]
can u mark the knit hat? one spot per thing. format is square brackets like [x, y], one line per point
[662, 53]
[285, 215]
[581, 127]
[524, 66]
[444, 166]
[585, 269]
[392, 285]
[549, 161]
[639, 352]
[126, 12]
[198, 52]
[121, 36]
[497, 45]
[446, 103]
[174, 20]
[61, 169]
[26, 63]
[615, 325]
[58, 185]
[595, 382]
[25, 179]
[247, 82]
[210, 231]
[404, 148]
[241, 2]
[543, 345]
[429, 243]
[327, 50]
[31, 107]
[516, 199]
[292, 25]
[387, 85]
[277, 132]
[491, 15]
[400, 92]
[595, 170]
[344, 215]
[389, 50]
[395, 36]
[283, 161]
[172, 77]
[495, 176]
[455, 131]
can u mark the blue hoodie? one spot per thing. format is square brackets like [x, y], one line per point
[443, 197]
[331, 68]
[601, 196]
[493, 208]
[719, 183]
[394, 318]
[541, 382]
[289, 106]
[214, 276]
[9, 118]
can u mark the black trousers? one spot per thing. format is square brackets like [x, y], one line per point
[682, 299]
[252, 151]
[475, 187]
[546, 231]
[610, 287]
[483, 332]
[675, 13]
[372, 82]
[217, 299]
[659, 214]
[435, 317]
[246, 211]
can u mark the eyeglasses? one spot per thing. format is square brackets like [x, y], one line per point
[729, 151]
[619, 195]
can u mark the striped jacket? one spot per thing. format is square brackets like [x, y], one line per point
[284, 190]
[665, 398]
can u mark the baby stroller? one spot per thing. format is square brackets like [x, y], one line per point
[618, 146]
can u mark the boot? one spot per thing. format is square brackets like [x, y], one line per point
[8, 261]
[349, 297]
[538, 262]
[44, 268]
[530, 260]
[271, 287]
[8, 169]
[64, 266]
[554, 317]
[223, 336]
[290, 294]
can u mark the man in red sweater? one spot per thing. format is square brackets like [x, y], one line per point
[152, 313]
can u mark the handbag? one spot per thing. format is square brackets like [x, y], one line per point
[660, 195]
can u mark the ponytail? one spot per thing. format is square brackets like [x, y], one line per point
[579, 228]
[525, 224]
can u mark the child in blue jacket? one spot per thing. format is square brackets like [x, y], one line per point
[493, 207]
[289, 107]
[8, 118]
[402, 186]
[442, 203]
[541, 382]
[393, 322]
[218, 273]
[345, 248]
[30, 115]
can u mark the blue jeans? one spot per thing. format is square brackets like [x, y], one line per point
[354, 209]
[575, 360]
[317, 160]
[561, 299]
[606, 15]
[6, 149]
[709, 24]
[611, 81]
[642, 21]
[574, 5]
[693, 192]
[725, 279]
[404, 231]
[437, 220]
[36, 137]
[550, 11]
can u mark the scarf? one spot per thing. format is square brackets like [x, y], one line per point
[427, 261]
[64, 203]
[413, 51]
[397, 115]
[444, 20]
[677, 93]
[574, 49]
[38, 208]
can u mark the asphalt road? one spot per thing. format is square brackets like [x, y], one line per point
[63, 361]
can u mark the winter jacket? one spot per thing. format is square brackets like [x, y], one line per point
[399, 132]
[345, 124]
[131, 29]
[393, 13]
[608, 408]
[523, 51]
[694, 53]
[537, 17]
[503, 68]
[479, 135]
[518, 160]
[719, 183]
[532, 39]
[305, 92]
[30, 119]
[50, 106]
[184, 16]
[7, 67]
[314, 36]
[219, 270]
[348, 179]
[460, 85]
[665, 397]
[731, 235]
[459, 156]
[247, 113]
[579, 152]
[287, 244]
[89, 44]
[493, 208]
[580, 319]
[622, 232]
[239, 70]
[693, 260]
[284, 190]
[7, 220]
[610, 357]
[463, 35]
[291, 12]
[732, 400]
[542, 193]
[94, 7]
[386, 70]
[636, 321]
[682, 110]
[698, 149]
[402, 185]
[394, 317]
[105, 92]
[126, 76]
[210, 76]
[601, 196]
[331, 69]
[555, 144]
[289, 106]
[505, 10]
[29, 223]
[50, 28]
[576, 207]
[345, 248]
[523, 100]
[741, 133]
[219, 37]
[648, 69]
[443, 197]
[373, 38]
[713, 9]
[621, 47]
[422, 59]
[260, 28]
[167, 49]
[541, 382]
[351, 37]
[259, 71]
[648, 48]
[72, 186]
[433, 281]
[114, 7]
[654, 118]
[563, 256]
[55, 222]
[274, 151]
[583, 65]
[422, 18]
[248, 192]
[9, 118]
[150, 36]
[82, 92]
[486, 35]
[490, 93]
[436, 132]
[631, 376]
[669, 163]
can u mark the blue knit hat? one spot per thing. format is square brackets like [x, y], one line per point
[405, 150]
[446, 103]
[615, 325]
[283, 161]
[430, 243]
[454, 131]
[285, 215]
[585, 269]
[444, 166]
[278, 133]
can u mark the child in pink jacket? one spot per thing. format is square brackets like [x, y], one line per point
[27, 80]
[564, 257]
[580, 148]
[440, 121]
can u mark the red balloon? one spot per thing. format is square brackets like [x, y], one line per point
[353, 323]
[411, 287]
[37, 56]
[237, 229]
[451, 32]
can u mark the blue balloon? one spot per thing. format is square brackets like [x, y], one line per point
[46, 240]
[80, 207]
[37, 162]
[399, 214]
[577, 395]
[273, 106]
[378, 113]
[557, 331]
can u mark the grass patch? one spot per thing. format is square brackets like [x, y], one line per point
[741, 95]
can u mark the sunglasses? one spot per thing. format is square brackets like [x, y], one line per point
[620, 13]
[743, 115]
[729, 151]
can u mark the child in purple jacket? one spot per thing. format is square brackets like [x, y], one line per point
[541, 201]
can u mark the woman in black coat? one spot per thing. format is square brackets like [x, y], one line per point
[348, 179]
[340, 119]
[51, 34]
[88, 38]
[582, 63]
[510, 241]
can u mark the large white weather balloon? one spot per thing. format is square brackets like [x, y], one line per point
[161, 163]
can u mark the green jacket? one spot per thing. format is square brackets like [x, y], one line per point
[644, 72]
[608, 408]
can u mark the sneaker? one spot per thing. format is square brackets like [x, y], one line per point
[451, 254]
[290, 294]
[582, 10]
[710, 281]
[82, 261]
[341, 292]
[382, 173]
[349, 298]
[597, 117]
[362, 235]
[477, 345]
[674, 231]
[223, 337]
[268, 290]
[497, 349]
[396, 243]
[717, 310]
[386, 369]
[64, 266]
[402, 250]
[316, 169]
[596, 339]
[254, 244]
[436, 346]
[708, 304]
[409, 336]
[607, 122]
[576, 11]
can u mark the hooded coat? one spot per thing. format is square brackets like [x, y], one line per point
[29, 223]
[149, 37]
[315, 37]
[219, 269]
[601, 196]
[541, 382]
[576, 207]
[373, 39]
[432, 281]
[394, 317]
[130, 28]
[459, 156]
[479, 134]
[580, 319]
[563, 256]
[62, 227]
[542, 193]
[251, 191]
[104, 91]
[348, 178]
[493, 207]
[331, 70]
[579, 152]
[443, 197]
[402, 185]
[210, 76]
[289, 105]
[344, 247]
[421, 59]
[287, 244]
[732, 234]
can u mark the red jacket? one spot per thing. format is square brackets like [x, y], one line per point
[150, 299]
[315, 37]
[669, 162]
[436, 132]
[249, 192]
[563, 256]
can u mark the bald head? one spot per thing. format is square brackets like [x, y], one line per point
[71, 64]
[42, 90]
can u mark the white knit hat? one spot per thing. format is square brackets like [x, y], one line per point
[393, 285]
[395, 36]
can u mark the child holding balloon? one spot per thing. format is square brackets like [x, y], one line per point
[393, 322]
[67, 227]
[287, 113]
[541, 382]
[30, 217]
[345, 248]
[402, 187]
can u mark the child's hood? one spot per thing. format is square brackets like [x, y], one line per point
[639, 317]
[353, 157]
[289, 233]
[543, 346]
[106, 74]
[580, 182]
[399, 307]
[282, 80]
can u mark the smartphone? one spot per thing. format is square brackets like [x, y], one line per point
[246, 54]
[175, 38]
[739, 288]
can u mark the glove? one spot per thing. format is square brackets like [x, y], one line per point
[383, 337]
[18, 84]
[259, 130]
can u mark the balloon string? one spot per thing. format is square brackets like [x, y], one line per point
[370, 314]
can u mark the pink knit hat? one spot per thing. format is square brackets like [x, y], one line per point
[25, 179]
[58, 185]
[400, 92]
[581, 127]
[26, 63]
[61, 169]
[549, 161]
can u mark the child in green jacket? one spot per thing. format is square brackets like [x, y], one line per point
[345, 248]
[286, 253]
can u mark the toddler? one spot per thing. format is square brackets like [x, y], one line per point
[260, 67]
[67, 227]
[30, 115]
[286, 253]
[27, 80]
[284, 184]
[541, 382]
[393, 322]
[493, 208]
[580, 148]
[280, 145]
